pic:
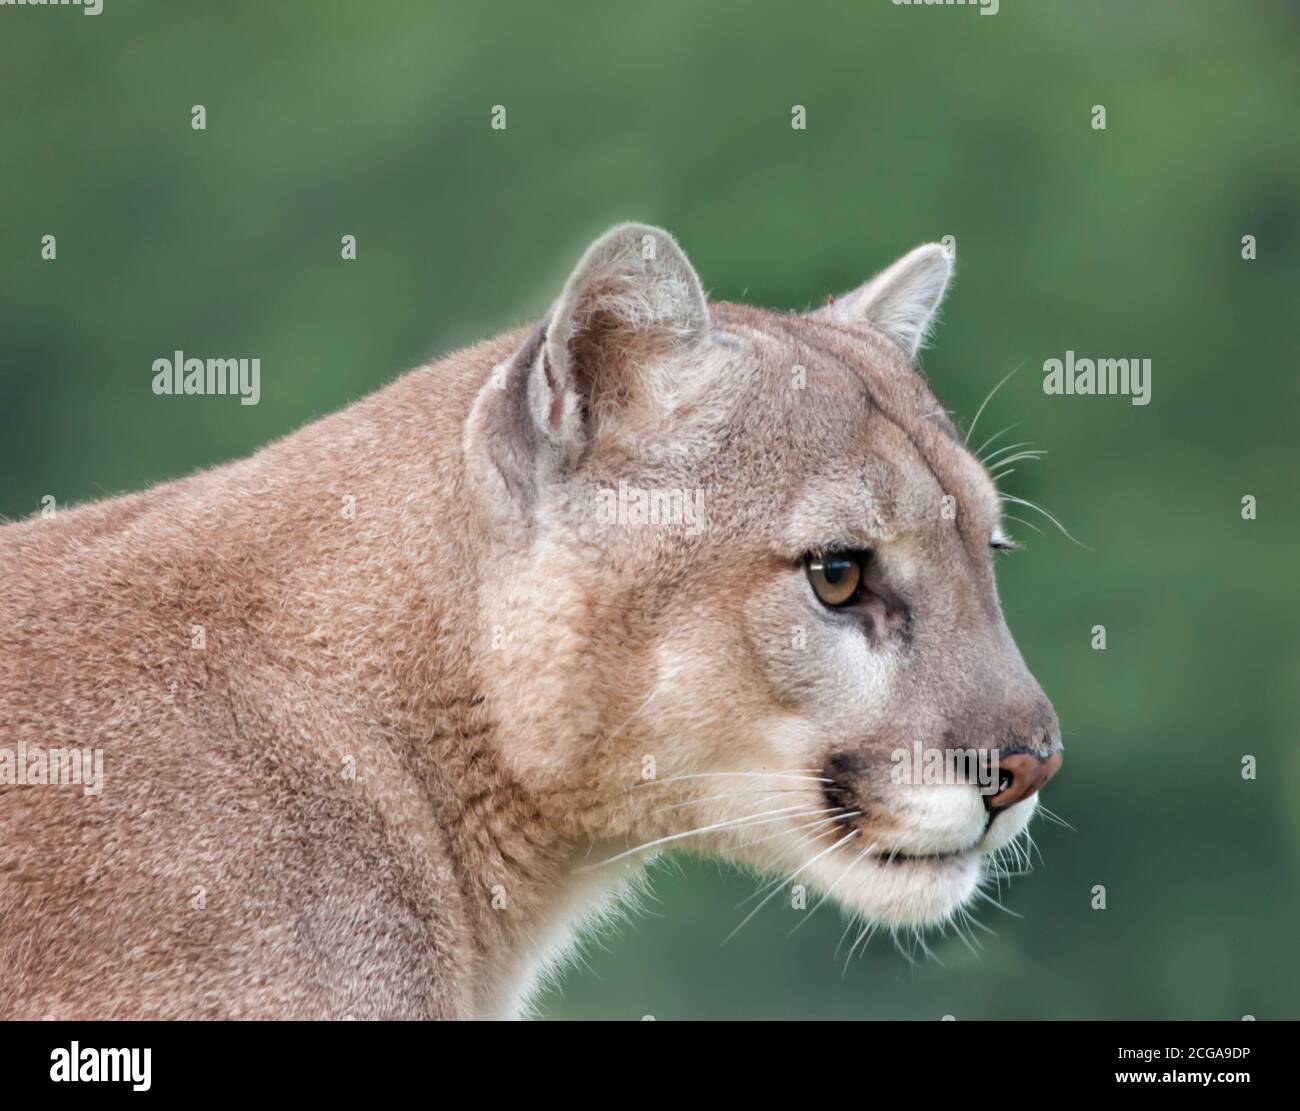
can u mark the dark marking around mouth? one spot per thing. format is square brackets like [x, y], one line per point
[913, 858]
[840, 769]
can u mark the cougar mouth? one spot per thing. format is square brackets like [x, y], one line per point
[918, 858]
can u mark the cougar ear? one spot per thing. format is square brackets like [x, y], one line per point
[900, 301]
[632, 299]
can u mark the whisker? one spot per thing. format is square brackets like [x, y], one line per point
[848, 870]
[657, 688]
[995, 435]
[1013, 848]
[779, 880]
[1021, 456]
[753, 819]
[1004, 873]
[730, 795]
[711, 775]
[848, 925]
[868, 931]
[971, 942]
[997, 866]
[1027, 524]
[785, 879]
[1031, 505]
[973, 921]
[1023, 851]
[989, 898]
[1051, 816]
[796, 829]
[919, 938]
[994, 390]
[1033, 846]
[986, 460]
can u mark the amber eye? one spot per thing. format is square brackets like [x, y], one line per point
[837, 579]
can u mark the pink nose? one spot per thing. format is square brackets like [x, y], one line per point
[1021, 774]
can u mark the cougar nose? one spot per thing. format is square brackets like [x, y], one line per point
[1020, 775]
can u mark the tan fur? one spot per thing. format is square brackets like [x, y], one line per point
[412, 726]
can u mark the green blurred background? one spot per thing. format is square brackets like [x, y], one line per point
[329, 118]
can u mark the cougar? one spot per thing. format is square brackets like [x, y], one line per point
[387, 711]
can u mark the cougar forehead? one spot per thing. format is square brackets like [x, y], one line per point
[802, 433]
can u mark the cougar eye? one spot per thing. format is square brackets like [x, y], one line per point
[837, 578]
